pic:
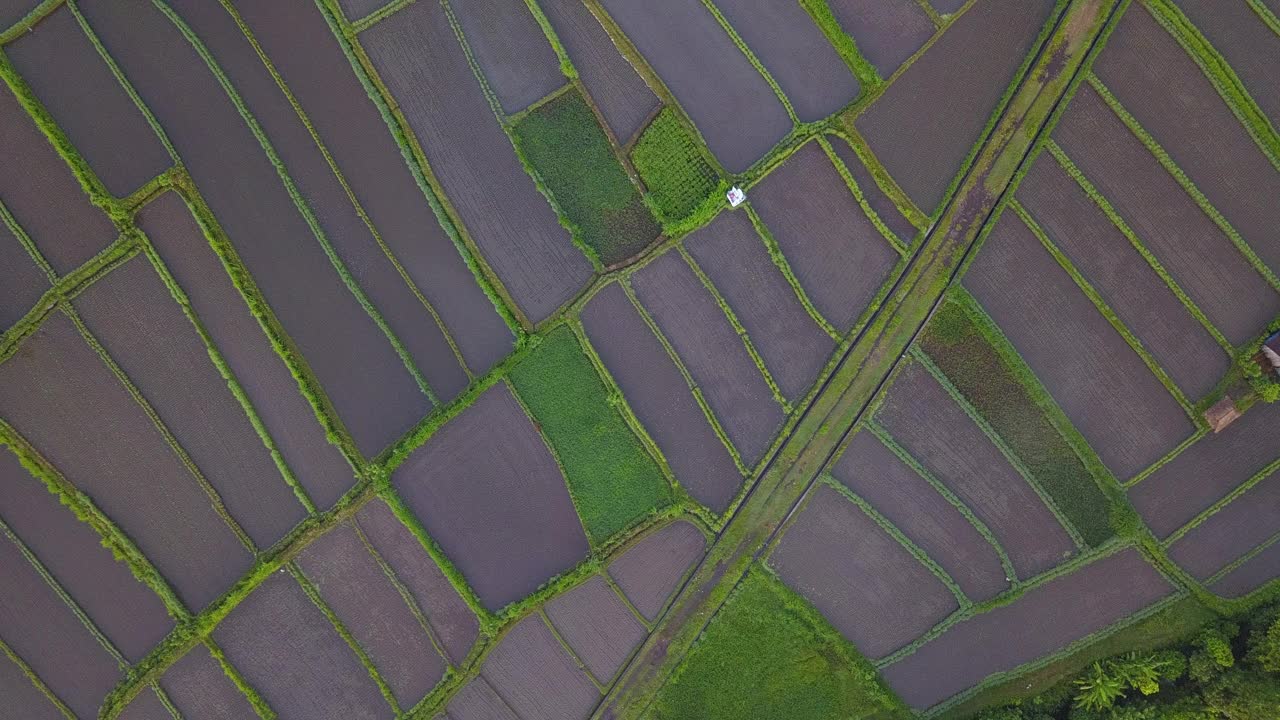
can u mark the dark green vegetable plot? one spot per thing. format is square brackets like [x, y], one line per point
[613, 480]
[568, 150]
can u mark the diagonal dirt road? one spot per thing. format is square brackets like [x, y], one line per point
[869, 361]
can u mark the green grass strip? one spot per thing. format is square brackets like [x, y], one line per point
[215, 499]
[741, 331]
[42, 10]
[1220, 75]
[228, 376]
[1105, 309]
[947, 494]
[622, 597]
[965, 346]
[299, 202]
[1183, 180]
[562, 143]
[416, 160]
[780, 261]
[861, 197]
[1234, 564]
[113, 538]
[899, 537]
[165, 702]
[613, 480]
[846, 47]
[35, 680]
[260, 705]
[625, 284]
[10, 222]
[935, 17]
[880, 174]
[1168, 457]
[1226, 500]
[769, 654]
[751, 57]
[542, 614]
[1266, 15]
[346, 187]
[1114, 216]
[1014, 461]
[373, 18]
[566, 64]
[313, 593]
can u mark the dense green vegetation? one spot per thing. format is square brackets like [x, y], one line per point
[613, 480]
[768, 654]
[1263, 382]
[568, 150]
[682, 184]
[1227, 670]
[1002, 394]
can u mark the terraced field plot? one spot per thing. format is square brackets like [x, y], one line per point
[407, 360]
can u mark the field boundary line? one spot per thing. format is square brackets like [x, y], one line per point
[738, 329]
[1168, 457]
[163, 697]
[947, 494]
[37, 257]
[881, 177]
[894, 241]
[935, 17]
[784, 266]
[1234, 564]
[1183, 179]
[228, 375]
[989, 432]
[301, 204]
[359, 25]
[63, 595]
[1064, 161]
[562, 54]
[1249, 483]
[1266, 15]
[35, 679]
[845, 45]
[962, 600]
[215, 498]
[346, 187]
[625, 284]
[114, 539]
[420, 168]
[1104, 309]
[753, 59]
[312, 592]
[242, 684]
[541, 612]
[622, 597]
[24, 24]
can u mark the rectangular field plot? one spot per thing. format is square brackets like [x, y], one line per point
[794, 348]
[660, 398]
[24, 281]
[289, 651]
[490, 493]
[1251, 574]
[1129, 418]
[649, 571]
[786, 40]
[1197, 254]
[50, 639]
[447, 613]
[904, 498]
[366, 601]
[836, 253]
[1240, 35]
[701, 335]
[1161, 86]
[531, 670]
[510, 49]
[21, 696]
[73, 82]
[599, 628]
[199, 687]
[124, 609]
[732, 105]
[318, 465]
[1207, 471]
[930, 425]
[881, 204]
[371, 270]
[303, 50]
[617, 89]
[131, 313]
[1130, 287]
[478, 701]
[374, 394]
[887, 31]
[1043, 620]
[54, 212]
[966, 71]
[1245, 523]
[613, 479]
[418, 57]
[872, 589]
[91, 430]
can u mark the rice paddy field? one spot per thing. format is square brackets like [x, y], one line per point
[368, 359]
